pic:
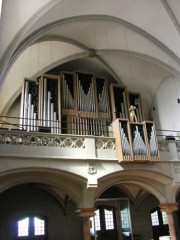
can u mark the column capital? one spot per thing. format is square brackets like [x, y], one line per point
[168, 207]
[86, 212]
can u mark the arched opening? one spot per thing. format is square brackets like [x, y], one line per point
[31, 211]
[124, 211]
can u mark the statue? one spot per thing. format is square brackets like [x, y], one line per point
[132, 114]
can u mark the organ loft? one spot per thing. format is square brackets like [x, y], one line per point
[81, 103]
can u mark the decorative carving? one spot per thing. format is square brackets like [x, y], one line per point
[105, 144]
[178, 146]
[176, 167]
[92, 168]
[41, 140]
[163, 147]
[168, 207]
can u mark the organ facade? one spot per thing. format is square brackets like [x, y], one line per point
[81, 103]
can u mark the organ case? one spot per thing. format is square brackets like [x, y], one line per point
[137, 141]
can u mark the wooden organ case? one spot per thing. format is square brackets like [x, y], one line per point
[137, 141]
[81, 103]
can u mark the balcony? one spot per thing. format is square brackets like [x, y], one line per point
[121, 142]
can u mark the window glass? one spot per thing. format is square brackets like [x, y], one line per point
[23, 227]
[154, 219]
[39, 227]
[109, 221]
[97, 221]
[125, 219]
[31, 226]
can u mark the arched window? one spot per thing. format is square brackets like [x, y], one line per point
[32, 227]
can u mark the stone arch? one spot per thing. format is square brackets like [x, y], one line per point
[59, 183]
[152, 182]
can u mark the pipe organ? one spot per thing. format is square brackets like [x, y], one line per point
[50, 103]
[40, 104]
[80, 103]
[137, 141]
[68, 93]
[139, 145]
[85, 104]
[29, 106]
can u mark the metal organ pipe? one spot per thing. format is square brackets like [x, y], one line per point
[25, 113]
[29, 113]
[48, 109]
[45, 102]
[52, 117]
[32, 118]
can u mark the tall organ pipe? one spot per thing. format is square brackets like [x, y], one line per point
[44, 102]
[48, 109]
[29, 112]
[25, 113]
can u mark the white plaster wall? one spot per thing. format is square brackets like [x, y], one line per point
[31, 62]
[15, 13]
[167, 109]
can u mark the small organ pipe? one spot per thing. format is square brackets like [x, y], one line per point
[52, 117]
[29, 113]
[32, 117]
[35, 122]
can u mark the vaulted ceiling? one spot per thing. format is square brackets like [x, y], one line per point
[137, 43]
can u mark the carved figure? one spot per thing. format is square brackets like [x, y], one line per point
[132, 114]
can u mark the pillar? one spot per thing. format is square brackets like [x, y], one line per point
[86, 214]
[169, 208]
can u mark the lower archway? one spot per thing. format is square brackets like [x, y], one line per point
[32, 211]
[125, 215]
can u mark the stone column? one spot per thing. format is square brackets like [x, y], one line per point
[169, 208]
[86, 214]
